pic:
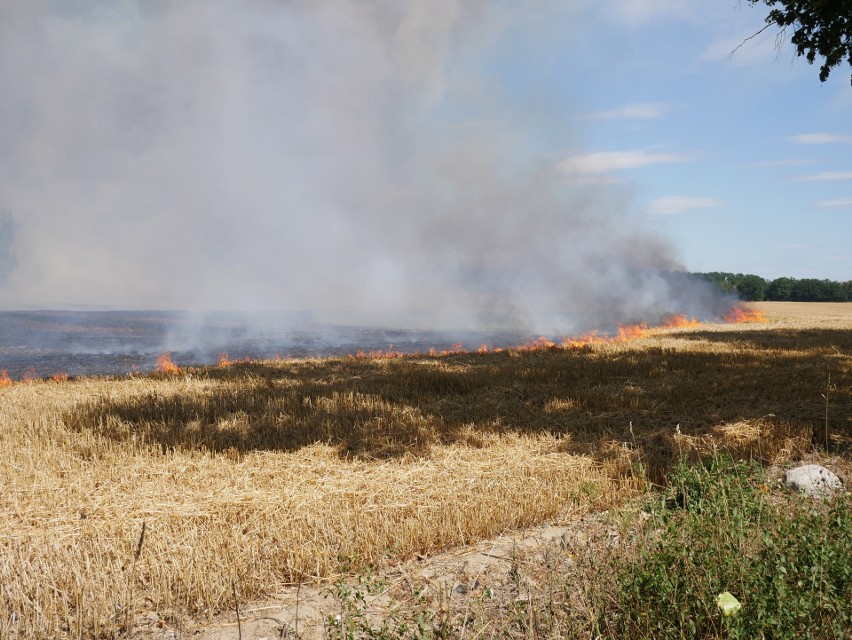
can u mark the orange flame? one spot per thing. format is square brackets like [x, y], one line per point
[165, 364]
[378, 354]
[739, 314]
[456, 349]
[578, 342]
[5, 380]
[628, 332]
[59, 376]
[680, 320]
[541, 342]
[224, 361]
[624, 333]
[632, 332]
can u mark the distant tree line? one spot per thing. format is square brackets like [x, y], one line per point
[754, 288]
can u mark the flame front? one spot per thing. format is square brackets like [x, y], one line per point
[541, 342]
[680, 320]
[165, 364]
[632, 332]
[739, 314]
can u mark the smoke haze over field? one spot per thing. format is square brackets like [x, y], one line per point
[272, 154]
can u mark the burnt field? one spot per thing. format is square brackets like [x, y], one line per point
[41, 344]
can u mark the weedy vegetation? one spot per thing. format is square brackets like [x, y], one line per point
[161, 493]
[720, 528]
[653, 570]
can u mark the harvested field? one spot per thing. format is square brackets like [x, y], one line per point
[265, 474]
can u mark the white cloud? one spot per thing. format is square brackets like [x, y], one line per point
[830, 204]
[675, 205]
[821, 138]
[634, 111]
[826, 176]
[596, 167]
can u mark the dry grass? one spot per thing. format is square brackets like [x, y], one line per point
[262, 474]
[810, 314]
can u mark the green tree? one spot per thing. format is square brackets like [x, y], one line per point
[833, 291]
[806, 290]
[755, 288]
[820, 28]
[751, 287]
[780, 289]
[813, 290]
[723, 280]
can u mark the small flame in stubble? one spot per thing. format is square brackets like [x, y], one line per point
[631, 332]
[739, 314]
[165, 364]
[680, 320]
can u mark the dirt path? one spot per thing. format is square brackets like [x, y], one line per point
[497, 569]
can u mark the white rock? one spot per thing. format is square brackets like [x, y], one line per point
[813, 480]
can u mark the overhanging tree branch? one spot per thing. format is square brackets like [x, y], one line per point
[752, 36]
[822, 28]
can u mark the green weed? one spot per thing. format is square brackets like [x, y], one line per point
[786, 559]
[354, 621]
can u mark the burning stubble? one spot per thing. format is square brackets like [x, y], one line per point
[340, 156]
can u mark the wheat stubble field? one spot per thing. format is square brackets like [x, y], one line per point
[269, 473]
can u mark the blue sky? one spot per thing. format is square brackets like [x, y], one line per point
[743, 159]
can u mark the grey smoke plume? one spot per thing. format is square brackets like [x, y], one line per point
[7, 245]
[275, 154]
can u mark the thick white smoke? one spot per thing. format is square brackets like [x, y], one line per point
[343, 155]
